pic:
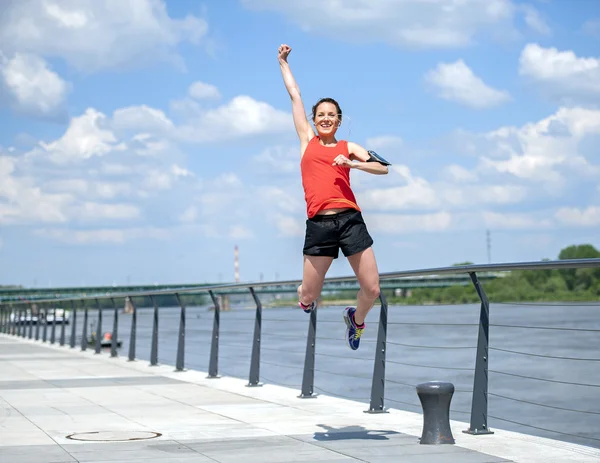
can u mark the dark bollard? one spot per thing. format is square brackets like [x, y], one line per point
[435, 397]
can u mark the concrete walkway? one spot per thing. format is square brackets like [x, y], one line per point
[60, 405]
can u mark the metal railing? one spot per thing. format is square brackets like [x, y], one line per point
[14, 320]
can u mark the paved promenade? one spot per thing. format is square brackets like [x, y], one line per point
[60, 405]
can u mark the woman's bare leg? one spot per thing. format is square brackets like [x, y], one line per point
[365, 268]
[315, 269]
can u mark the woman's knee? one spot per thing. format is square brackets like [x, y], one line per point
[307, 294]
[371, 290]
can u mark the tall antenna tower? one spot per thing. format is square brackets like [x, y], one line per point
[236, 264]
[489, 247]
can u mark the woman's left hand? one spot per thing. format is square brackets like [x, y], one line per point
[343, 161]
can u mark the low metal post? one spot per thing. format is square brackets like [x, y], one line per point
[53, 332]
[132, 332]
[378, 383]
[84, 340]
[254, 377]
[115, 332]
[179, 364]
[98, 328]
[308, 377]
[62, 328]
[154, 348]
[73, 324]
[213, 364]
[435, 397]
[479, 404]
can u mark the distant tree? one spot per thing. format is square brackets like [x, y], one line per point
[462, 263]
[583, 278]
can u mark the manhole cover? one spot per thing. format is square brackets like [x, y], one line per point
[112, 436]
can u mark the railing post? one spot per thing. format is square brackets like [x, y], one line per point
[308, 377]
[13, 323]
[73, 324]
[84, 341]
[98, 328]
[378, 384]
[39, 321]
[30, 330]
[53, 332]
[132, 332]
[254, 377]
[154, 348]
[179, 364]
[115, 331]
[479, 404]
[20, 325]
[62, 328]
[45, 330]
[213, 364]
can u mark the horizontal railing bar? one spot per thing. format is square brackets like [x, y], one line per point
[457, 269]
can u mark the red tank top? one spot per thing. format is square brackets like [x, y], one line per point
[325, 186]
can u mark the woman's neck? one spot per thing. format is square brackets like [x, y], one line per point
[328, 140]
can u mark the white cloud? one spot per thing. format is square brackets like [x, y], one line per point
[288, 225]
[417, 193]
[459, 174]
[280, 199]
[534, 20]
[544, 150]
[383, 142]
[279, 159]
[104, 235]
[513, 220]
[22, 201]
[85, 138]
[142, 119]
[563, 74]
[32, 87]
[589, 217]
[240, 232]
[200, 91]
[81, 187]
[90, 211]
[189, 215]
[459, 195]
[408, 23]
[457, 82]
[592, 28]
[243, 116]
[409, 223]
[92, 35]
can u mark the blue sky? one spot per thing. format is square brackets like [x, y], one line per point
[141, 140]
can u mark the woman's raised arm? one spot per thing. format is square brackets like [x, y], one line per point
[305, 131]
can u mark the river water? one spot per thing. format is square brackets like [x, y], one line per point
[425, 343]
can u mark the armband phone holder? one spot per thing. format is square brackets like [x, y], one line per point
[374, 157]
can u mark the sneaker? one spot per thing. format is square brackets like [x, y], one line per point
[354, 331]
[308, 308]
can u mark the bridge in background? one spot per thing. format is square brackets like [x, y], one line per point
[399, 283]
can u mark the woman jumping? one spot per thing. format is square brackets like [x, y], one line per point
[334, 219]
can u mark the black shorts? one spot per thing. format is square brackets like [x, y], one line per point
[326, 234]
